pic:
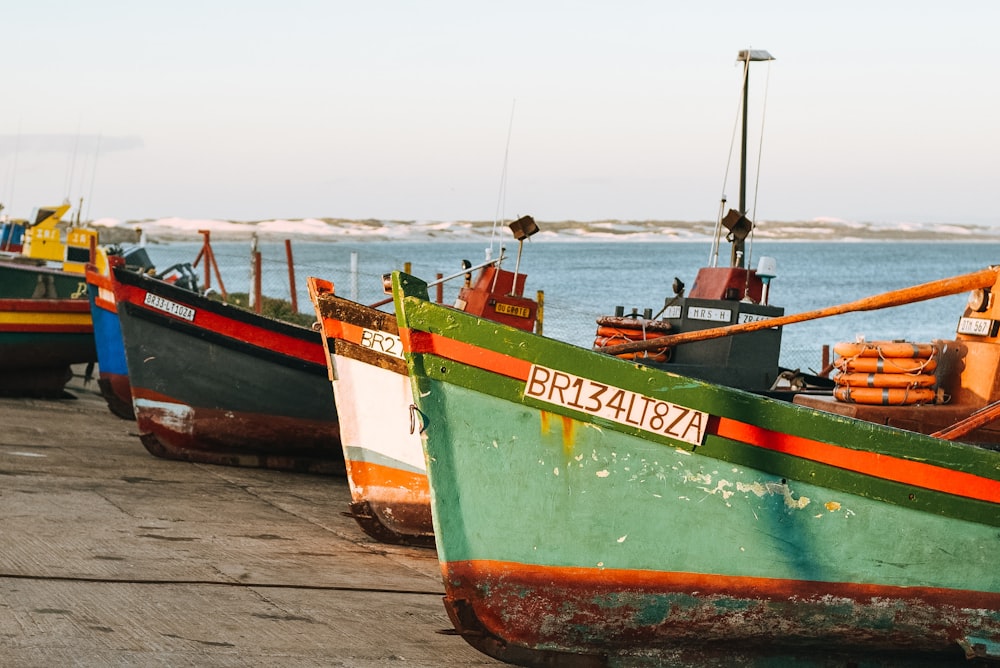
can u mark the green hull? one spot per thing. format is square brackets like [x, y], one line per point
[26, 280]
[588, 507]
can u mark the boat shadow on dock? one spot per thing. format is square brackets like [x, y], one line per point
[113, 557]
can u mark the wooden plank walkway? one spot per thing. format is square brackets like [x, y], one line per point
[112, 557]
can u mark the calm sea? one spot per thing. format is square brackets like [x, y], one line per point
[582, 280]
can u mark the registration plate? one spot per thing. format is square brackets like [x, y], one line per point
[513, 309]
[977, 326]
[616, 404]
[382, 342]
[167, 306]
[751, 317]
[712, 314]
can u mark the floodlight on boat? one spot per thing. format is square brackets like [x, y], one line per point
[739, 226]
[523, 227]
[980, 299]
[753, 55]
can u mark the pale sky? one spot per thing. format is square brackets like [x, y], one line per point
[249, 110]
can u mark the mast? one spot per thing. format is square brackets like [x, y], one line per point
[747, 56]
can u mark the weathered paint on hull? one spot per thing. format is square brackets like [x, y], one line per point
[115, 388]
[390, 495]
[792, 532]
[112, 368]
[226, 387]
[220, 436]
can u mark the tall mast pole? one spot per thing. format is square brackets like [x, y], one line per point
[747, 56]
[743, 143]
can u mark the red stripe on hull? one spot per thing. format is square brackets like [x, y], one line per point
[308, 350]
[47, 329]
[45, 305]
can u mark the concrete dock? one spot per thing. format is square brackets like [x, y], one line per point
[112, 557]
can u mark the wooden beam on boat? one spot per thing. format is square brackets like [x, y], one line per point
[940, 288]
[980, 418]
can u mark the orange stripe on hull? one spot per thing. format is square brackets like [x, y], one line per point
[868, 463]
[386, 484]
[873, 464]
[424, 342]
[344, 331]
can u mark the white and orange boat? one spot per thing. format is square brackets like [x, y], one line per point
[379, 428]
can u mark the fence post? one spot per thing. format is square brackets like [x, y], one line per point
[256, 282]
[440, 288]
[540, 321]
[291, 275]
[354, 275]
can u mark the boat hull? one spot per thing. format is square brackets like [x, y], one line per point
[390, 495]
[588, 509]
[112, 368]
[216, 384]
[45, 328]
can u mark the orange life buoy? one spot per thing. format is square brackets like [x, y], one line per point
[630, 334]
[884, 396]
[634, 323]
[901, 380]
[605, 341]
[886, 364]
[885, 349]
[658, 355]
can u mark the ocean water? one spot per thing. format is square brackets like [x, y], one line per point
[583, 280]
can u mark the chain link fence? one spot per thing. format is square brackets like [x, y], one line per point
[569, 310]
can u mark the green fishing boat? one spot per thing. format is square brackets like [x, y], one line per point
[592, 511]
[45, 322]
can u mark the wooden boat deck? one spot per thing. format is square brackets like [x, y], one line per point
[111, 556]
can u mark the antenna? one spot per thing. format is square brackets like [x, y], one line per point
[502, 195]
[71, 166]
[93, 174]
[13, 170]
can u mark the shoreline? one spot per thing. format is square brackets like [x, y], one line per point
[338, 230]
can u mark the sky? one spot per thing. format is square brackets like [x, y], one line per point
[872, 111]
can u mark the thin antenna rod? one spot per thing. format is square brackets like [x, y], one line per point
[71, 167]
[13, 171]
[502, 196]
[93, 174]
